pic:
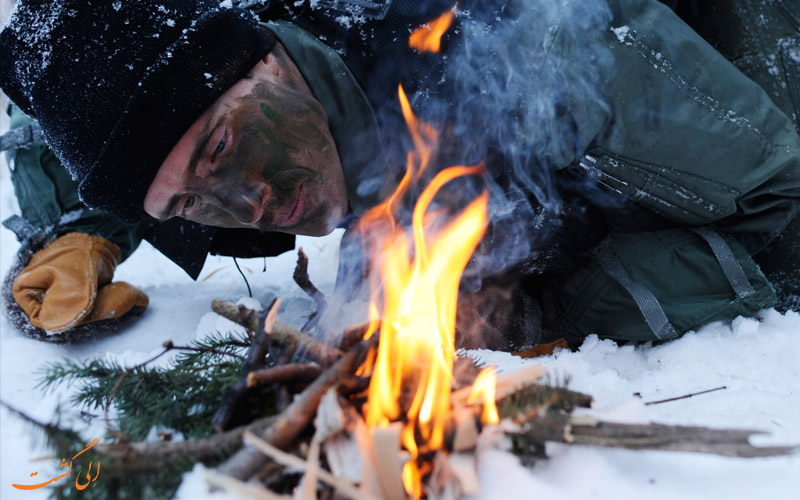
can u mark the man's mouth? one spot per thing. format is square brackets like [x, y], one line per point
[296, 208]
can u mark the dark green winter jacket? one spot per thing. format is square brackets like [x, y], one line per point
[703, 168]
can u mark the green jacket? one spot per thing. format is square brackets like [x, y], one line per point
[683, 133]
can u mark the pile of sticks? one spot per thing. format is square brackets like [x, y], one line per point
[343, 457]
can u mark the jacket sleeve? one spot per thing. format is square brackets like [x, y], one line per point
[48, 197]
[685, 133]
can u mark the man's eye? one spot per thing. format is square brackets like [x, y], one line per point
[188, 203]
[220, 147]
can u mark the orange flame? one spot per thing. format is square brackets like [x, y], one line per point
[412, 371]
[428, 37]
[484, 389]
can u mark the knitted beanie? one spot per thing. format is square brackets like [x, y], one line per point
[116, 83]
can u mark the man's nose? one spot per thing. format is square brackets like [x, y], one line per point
[246, 204]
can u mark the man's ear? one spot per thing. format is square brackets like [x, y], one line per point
[269, 68]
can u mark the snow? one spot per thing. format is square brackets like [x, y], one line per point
[623, 34]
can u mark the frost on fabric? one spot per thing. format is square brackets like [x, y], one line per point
[623, 34]
[34, 28]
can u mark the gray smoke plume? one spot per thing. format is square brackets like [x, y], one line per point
[517, 83]
[517, 75]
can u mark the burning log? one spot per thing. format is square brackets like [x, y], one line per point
[281, 334]
[355, 334]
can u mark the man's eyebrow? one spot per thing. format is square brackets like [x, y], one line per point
[199, 148]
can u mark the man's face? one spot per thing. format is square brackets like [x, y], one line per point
[261, 157]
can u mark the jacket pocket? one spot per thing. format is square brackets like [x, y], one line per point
[677, 194]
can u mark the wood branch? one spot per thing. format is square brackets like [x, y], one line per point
[282, 334]
[560, 427]
[289, 460]
[306, 345]
[153, 456]
[284, 374]
[304, 282]
[240, 315]
[236, 396]
[296, 417]
[728, 442]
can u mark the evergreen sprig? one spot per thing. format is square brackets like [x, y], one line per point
[181, 397]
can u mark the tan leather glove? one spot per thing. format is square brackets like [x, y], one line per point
[68, 283]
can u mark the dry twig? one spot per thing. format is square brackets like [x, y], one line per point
[685, 396]
[152, 456]
[282, 334]
[283, 374]
[304, 282]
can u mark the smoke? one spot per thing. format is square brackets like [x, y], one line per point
[528, 96]
[523, 93]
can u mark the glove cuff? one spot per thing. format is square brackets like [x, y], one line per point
[18, 318]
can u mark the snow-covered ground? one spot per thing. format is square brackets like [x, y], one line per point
[757, 360]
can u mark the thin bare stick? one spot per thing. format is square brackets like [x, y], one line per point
[311, 348]
[686, 396]
[282, 374]
[145, 456]
[235, 396]
[507, 384]
[296, 417]
[304, 282]
[243, 316]
[281, 334]
[289, 460]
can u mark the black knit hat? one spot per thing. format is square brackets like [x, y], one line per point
[116, 83]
